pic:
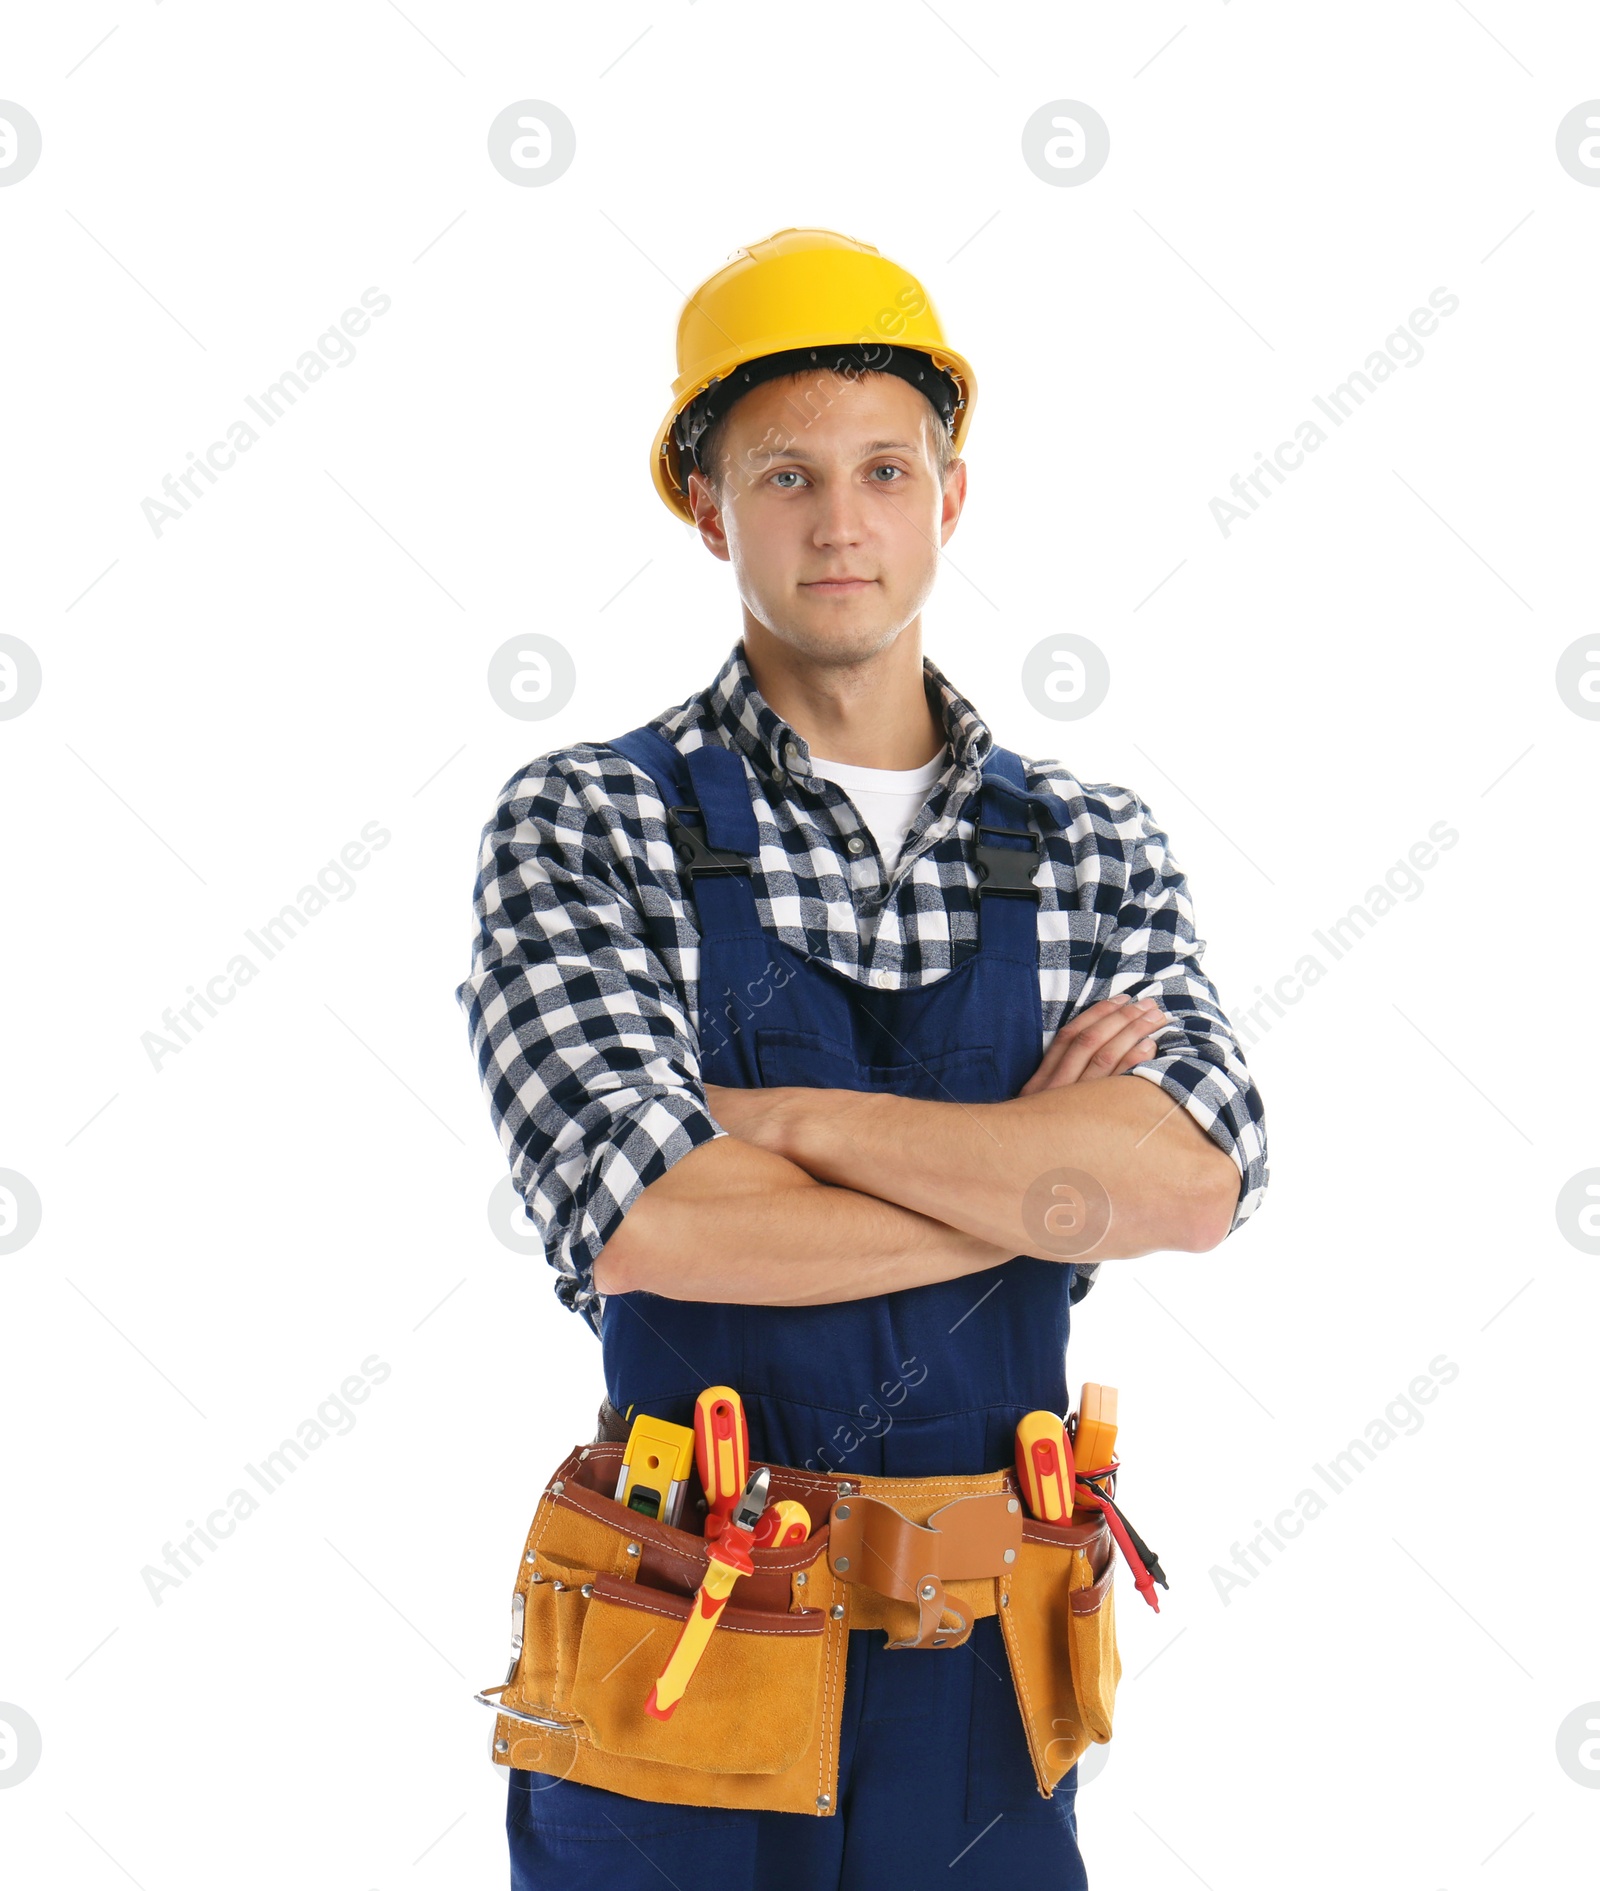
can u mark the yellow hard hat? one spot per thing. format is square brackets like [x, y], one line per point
[816, 296]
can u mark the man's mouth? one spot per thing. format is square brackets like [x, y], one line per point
[837, 586]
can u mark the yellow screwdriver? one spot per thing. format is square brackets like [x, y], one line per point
[721, 1451]
[729, 1559]
[1044, 1467]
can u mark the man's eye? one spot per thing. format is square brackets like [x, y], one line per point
[787, 473]
[897, 470]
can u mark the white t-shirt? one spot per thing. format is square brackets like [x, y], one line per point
[888, 799]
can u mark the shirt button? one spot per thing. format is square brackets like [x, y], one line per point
[883, 980]
[791, 754]
[856, 844]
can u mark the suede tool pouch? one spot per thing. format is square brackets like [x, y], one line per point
[602, 1594]
[1057, 1617]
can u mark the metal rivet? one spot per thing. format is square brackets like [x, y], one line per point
[843, 1563]
[633, 1549]
[528, 1559]
[837, 1611]
[1013, 1506]
[928, 1591]
[502, 1746]
[538, 1575]
[842, 1512]
[823, 1802]
[847, 1490]
[800, 1580]
[559, 1586]
[1005, 1601]
[587, 1589]
[557, 1488]
[1011, 1556]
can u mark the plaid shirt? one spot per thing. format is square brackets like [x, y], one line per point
[582, 1003]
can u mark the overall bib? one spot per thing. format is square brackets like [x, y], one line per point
[935, 1782]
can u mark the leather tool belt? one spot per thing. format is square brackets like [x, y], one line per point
[602, 1593]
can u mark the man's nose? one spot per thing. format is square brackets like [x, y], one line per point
[840, 516]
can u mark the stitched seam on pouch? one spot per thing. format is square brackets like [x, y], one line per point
[825, 1745]
[835, 1687]
[568, 1464]
[736, 1628]
[1019, 1670]
[881, 1487]
[538, 1536]
[791, 1559]
[644, 1536]
[794, 1559]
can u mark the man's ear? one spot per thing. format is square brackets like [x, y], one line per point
[955, 497]
[707, 515]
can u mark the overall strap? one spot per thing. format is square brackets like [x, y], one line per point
[646, 748]
[1009, 854]
[710, 822]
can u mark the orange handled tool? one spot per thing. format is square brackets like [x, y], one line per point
[1094, 1444]
[781, 1524]
[1094, 1437]
[729, 1560]
[721, 1451]
[1044, 1467]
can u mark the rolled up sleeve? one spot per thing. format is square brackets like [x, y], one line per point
[1153, 952]
[583, 1046]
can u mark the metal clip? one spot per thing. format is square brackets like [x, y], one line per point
[1009, 870]
[695, 854]
[519, 1615]
[528, 1720]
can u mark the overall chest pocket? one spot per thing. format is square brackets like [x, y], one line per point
[821, 1063]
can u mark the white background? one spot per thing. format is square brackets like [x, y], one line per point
[306, 1183]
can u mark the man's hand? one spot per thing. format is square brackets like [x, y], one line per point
[1106, 1039]
[971, 1166]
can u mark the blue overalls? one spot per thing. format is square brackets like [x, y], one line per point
[935, 1782]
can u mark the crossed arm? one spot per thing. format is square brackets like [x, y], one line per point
[827, 1195]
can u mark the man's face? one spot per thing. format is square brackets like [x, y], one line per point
[831, 510]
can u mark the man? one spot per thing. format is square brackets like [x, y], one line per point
[837, 1084]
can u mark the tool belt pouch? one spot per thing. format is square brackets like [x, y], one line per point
[602, 1594]
[1057, 1614]
[930, 1557]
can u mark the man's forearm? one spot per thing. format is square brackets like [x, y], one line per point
[734, 1223]
[1167, 1185]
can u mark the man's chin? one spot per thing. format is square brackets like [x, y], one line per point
[835, 635]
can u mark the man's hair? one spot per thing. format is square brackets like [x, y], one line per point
[712, 461]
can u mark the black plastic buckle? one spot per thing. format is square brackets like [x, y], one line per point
[695, 855]
[1009, 870]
